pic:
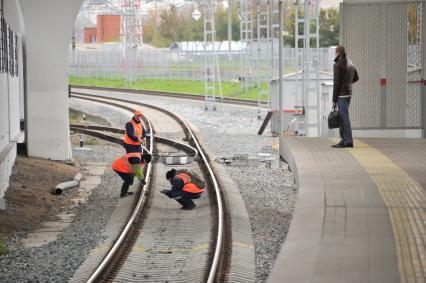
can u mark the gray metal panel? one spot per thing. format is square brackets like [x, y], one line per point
[413, 101]
[423, 41]
[361, 34]
[396, 58]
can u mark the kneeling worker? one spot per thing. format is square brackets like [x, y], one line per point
[185, 188]
[128, 166]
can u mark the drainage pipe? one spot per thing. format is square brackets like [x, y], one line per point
[59, 188]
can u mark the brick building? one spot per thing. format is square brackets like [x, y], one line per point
[107, 29]
[89, 35]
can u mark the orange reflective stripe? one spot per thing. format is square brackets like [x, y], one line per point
[192, 188]
[123, 165]
[137, 129]
[184, 177]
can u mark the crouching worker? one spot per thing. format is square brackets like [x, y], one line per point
[186, 186]
[129, 165]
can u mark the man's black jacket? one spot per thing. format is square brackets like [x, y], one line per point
[345, 75]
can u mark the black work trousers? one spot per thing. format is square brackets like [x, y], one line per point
[132, 148]
[185, 198]
[128, 181]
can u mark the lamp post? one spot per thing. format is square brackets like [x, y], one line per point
[280, 64]
[196, 14]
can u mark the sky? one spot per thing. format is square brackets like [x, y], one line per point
[330, 3]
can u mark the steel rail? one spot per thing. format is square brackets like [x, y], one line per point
[227, 100]
[97, 132]
[220, 207]
[106, 262]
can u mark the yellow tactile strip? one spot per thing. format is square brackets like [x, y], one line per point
[406, 203]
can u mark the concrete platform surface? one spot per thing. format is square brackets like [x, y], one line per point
[360, 214]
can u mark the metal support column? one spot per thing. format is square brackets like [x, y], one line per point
[246, 39]
[229, 30]
[307, 87]
[263, 69]
[280, 69]
[423, 56]
[211, 64]
[131, 37]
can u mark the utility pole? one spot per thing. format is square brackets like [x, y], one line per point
[229, 30]
[280, 68]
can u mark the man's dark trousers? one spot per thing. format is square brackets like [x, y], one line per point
[128, 181]
[132, 148]
[345, 124]
[184, 198]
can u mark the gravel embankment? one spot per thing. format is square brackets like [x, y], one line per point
[269, 194]
[58, 260]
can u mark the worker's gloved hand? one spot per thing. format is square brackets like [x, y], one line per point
[143, 183]
[147, 157]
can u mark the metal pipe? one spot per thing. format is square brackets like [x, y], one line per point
[280, 68]
[59, 188]
[229, 30]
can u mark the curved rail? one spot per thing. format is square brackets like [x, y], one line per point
[106, 262]
[228, 100]
[213, 273]
[95, 131]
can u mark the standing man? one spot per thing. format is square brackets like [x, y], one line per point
[345, 75]
[184, 189]
[128, 166]
[135, 134]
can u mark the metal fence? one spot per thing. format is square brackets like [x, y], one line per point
[175, 64]
[384, 42]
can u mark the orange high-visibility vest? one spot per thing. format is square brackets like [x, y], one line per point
[187, 185]
[137, 128]
[123, 165]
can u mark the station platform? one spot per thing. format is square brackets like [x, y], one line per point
[360, 214]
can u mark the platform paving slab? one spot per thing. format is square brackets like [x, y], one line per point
[360, 213]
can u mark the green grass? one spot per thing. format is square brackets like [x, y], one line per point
[76, 117]
[229, 89]
[3, 248]
[91, 141]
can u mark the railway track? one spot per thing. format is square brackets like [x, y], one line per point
[161, 242]
[235, 101]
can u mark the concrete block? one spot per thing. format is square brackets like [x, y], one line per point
[2, 204]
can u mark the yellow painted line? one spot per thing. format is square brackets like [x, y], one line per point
[243, 245]
[142, 249]
[406, 203]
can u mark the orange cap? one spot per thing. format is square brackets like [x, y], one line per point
[138, 113]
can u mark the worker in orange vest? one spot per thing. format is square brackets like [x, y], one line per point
[128, 166]
[135, 134]
[183, 190]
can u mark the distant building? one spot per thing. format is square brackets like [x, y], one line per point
[107, 30]
[89, 35]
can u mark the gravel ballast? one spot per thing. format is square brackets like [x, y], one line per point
[269, 193]
[58, 260]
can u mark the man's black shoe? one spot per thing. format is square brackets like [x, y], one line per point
[349, 145]
[187, 207]
[126, 194]
[338, 145]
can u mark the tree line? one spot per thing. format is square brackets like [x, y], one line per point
[165, 26]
